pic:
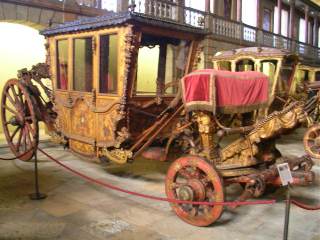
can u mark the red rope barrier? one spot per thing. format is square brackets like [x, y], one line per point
[13, 158]
[104, 184]
[107, 185]
[305, 206]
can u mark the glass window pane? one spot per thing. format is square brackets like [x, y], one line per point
[161, 64]
[224, 65]
[199, 5]
[110, 5]
[62, 64]
[212, 10]
[284, 22]
[317, 78]
[83, 65]
[302, 30]
[266, 25]
[108, 63]
[249, 12]
[245, 65]
[148, 61]
[269, 69]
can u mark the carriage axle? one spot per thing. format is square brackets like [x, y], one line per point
[256, 184]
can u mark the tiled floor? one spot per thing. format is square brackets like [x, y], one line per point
[79, 210]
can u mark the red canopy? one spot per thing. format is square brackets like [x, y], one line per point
[229, 92]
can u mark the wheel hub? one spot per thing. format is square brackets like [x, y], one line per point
[185, 193]
[194, 190]
[16, 121]
[317, 141]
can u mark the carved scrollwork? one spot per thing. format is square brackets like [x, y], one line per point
[130, 49]
[57, 138]
[71, 101]
[120, 156]
[122, 135]
[243, 150]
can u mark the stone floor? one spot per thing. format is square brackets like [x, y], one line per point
[78, 210]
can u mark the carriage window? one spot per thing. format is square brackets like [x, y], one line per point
[317, 77]
[161, 63]
[302, 76]
[269, 69]
[245, 65]
[224, 65]
[83, 65]
[285, 74]
[148, 61]
[62, 64]
[108, 63]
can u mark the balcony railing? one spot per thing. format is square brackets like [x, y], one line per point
[224, 29]
[243, 34]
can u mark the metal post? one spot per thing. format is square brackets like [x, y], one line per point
[37, 195]
[287, 214]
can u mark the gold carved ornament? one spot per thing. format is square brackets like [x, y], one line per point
[242, 150]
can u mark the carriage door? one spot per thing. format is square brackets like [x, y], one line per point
[82, 118]
[95, 96]
[108, 88]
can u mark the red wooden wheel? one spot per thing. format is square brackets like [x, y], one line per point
[19, 121]
[192, 178]
[311, 141]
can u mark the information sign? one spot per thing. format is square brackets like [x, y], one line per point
[284, 173]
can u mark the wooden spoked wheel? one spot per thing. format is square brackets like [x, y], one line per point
[192, 178]
[311, 141]
[19, 121]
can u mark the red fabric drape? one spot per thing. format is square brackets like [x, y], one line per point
[209, 89]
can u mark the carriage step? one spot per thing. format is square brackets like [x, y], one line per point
[155, 153]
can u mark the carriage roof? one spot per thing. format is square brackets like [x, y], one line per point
[115, 19]
[254, 52]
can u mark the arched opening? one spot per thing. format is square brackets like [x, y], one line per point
[21, 46]
[245, 65]
[224, 65]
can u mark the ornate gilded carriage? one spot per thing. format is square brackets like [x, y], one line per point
[289, 75]
[117, 85]
[127, 62]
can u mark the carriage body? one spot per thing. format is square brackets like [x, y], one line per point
[111, 76]
[287, 72]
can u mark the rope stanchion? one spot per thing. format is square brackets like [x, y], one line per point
[176, 201]
[37, 195]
